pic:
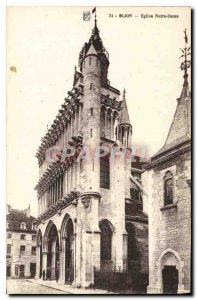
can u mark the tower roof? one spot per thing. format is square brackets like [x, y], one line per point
[91, 50]
[180, 129]
[124, 117]
[95, 42]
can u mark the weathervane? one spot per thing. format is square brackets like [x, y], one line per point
[186, 51]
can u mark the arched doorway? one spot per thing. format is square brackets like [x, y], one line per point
[52, 271]
[170, 269]
[69, 252]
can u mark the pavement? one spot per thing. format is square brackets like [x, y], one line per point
[22, 286]
[68, 289]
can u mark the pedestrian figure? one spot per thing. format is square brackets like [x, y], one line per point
[44, 275]
[56, 275]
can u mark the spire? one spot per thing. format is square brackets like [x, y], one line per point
[97, 42]
[180, 129]
[185, 65]
[95, 22]
[124, 117]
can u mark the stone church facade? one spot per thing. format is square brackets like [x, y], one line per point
[168, 193]
[88, 222]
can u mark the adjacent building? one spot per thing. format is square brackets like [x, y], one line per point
[168, 193]
[21, 243]
[90, 227]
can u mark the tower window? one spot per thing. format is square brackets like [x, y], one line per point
[168, 188]
[91, 111]
[105, 172]
[90, 59]
[91, 132]
[91, 86]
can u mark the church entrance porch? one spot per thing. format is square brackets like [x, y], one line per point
[69, 253]
[170, 280]
[52, 271]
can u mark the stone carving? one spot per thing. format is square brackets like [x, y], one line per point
[86, 201]
[58, 206]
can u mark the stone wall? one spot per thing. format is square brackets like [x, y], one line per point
[169, 227]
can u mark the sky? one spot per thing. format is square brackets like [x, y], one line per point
[43, 45]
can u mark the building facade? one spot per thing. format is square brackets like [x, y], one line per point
[168, 186]
[84, 226]
[21, 244]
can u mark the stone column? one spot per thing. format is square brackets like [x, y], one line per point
[112, 127]
[53, 257]
[62, 261]
[79, 124]
[71, 125]
[60, 186]
[105, 123]
[90, 238]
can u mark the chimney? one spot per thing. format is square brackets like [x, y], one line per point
[8, 209]
[27, 211]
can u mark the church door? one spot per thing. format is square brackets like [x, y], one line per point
[170, 280]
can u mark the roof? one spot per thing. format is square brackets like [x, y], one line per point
[91, 51]
[180, 129]
[16, 217]
[137, 162]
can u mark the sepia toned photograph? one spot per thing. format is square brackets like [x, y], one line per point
[98, 150]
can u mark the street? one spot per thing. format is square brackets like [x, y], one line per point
[22, 286]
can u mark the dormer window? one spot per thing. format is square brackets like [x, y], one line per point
[23, 226]
[33, 226]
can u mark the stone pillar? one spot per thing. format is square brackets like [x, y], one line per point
[71, 126]
[105, 123]
[79, 120]
[60, 187]
[53, 258]
[62, 262]
[112, 128]
[37, 262]
[90, 238]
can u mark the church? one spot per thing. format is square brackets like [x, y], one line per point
[168, 193]
[91, 224]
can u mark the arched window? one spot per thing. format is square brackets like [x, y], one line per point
[105, 172]
[168, 188]
[106, 241]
